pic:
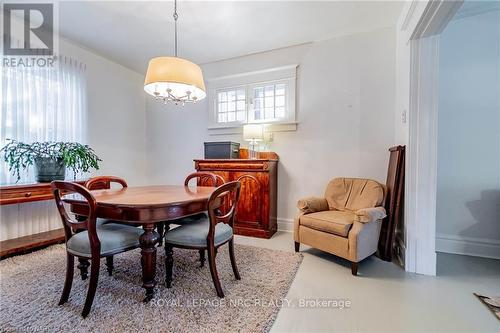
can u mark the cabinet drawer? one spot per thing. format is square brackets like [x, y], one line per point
[22, 195]
[14, 194]
[208, 166]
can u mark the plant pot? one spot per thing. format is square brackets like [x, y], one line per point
[48, 169]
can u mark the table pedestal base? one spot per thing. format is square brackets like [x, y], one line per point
[148, 241]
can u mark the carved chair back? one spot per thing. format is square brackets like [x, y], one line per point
[220, 180]
[205, 178]
[228, 195]
[70, 224]
[101, 182]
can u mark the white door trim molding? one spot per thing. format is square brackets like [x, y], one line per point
[422, 25]
[435, 17]
[422, 158]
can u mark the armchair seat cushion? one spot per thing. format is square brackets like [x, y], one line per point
[113, 237]
[331, 221]
[195, 234]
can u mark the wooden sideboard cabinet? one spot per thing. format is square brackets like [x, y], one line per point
[257, 208]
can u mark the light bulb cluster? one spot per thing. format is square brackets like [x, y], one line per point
[177, 93]
[168, 97]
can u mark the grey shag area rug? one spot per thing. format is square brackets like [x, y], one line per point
[30, 287]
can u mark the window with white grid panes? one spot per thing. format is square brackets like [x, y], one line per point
[231, 105]
[265, 96]
[268, 102]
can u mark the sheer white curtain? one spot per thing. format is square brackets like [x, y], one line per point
[42, 104]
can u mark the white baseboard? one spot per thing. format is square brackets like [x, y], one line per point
[478, 247]
[285, 224]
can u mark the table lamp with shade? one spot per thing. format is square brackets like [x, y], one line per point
[253, 133]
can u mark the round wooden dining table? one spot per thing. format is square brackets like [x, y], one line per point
[146, 206]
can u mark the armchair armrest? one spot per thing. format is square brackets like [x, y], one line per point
[367, 215]
[312, 205]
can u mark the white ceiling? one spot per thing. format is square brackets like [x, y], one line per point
[132, 32]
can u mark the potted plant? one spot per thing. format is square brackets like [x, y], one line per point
[50, 158]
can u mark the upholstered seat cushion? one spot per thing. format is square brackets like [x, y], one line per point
[331, 221]
[195, 234]
[100, 221]
[113, 237]
[189, 219]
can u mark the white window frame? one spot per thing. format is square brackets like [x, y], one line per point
[285, 75]
[289, 101]
[215, 102]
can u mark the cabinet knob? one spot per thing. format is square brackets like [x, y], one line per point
[27, 194]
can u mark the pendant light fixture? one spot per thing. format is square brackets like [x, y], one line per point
[174, 79]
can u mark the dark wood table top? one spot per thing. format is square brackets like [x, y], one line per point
[156, 196]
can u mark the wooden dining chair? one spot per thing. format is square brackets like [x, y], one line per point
[99, 183]
[205, 179]
[92, 241]
[207, 233]
[202, 179]
[104, 182]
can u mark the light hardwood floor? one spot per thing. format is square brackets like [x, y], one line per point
[384, 298]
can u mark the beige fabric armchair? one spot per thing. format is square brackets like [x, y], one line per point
[346, 222]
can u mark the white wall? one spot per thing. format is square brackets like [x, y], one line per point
[468, 192]
[345, 110]
[116, 114]
[407, 22]
[116, 130]
[402, 96]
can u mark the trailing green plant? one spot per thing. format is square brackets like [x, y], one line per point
[77, 157]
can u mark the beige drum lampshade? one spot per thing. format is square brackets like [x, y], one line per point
[174, 78]
[253, 132]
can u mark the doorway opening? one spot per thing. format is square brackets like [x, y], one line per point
[468, 136]
[437, 129]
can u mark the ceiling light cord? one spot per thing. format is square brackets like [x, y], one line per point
[175, 33]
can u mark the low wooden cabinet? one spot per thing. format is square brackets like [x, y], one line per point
[257, 209]
[22, 193]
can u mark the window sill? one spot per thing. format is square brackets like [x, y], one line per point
[277, 127]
